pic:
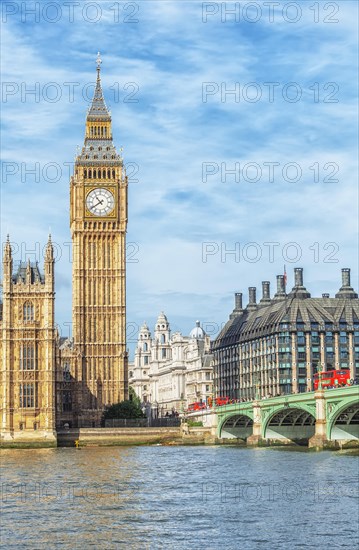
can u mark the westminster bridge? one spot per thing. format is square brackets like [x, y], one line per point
[325, 418]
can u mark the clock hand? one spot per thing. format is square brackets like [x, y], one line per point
[99, 202]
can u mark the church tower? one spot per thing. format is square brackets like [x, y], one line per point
[98, 222]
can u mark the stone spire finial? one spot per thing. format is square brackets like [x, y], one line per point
[98, 61]
[49, 254]
[7, 248]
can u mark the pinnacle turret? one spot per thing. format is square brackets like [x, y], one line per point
[49, 253]
[7, 250]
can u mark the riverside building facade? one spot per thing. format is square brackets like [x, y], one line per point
[275, 346]
[171, 371]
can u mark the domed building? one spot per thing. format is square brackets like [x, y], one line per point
[171, 371]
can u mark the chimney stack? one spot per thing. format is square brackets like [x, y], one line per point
[346, 291]
[265, 293]
[252, 300]
[238, 301]
[238, 307]
[280, 287]
[346, 277]
[265, 290]
[299, 290]
[298, 276]
[252, 294]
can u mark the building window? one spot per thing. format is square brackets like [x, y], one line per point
[164, 353]
[21, 426]
[145, 346]
[208, 375]
[163, 339]
[207, 388]
[27, 357]
[145, 387]
[28, 395]
[130, 374]
[145, 360]
[28, 311]
[66, 401]
[36, 426]
[66, 372]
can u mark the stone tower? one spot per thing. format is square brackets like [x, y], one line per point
[98, 222]
[28, 340]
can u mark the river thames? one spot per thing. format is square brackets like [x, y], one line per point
[178, 498]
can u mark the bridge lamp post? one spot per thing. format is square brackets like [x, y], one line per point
[257, 389]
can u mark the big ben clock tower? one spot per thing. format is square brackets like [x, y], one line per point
[98, 221]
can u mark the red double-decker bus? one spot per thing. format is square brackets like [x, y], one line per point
[222, 401]
[332, 378]
[197, 406]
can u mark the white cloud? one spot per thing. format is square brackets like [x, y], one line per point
[170, 132]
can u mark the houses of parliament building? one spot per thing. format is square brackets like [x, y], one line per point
[47, 382]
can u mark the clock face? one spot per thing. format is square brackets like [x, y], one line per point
[100, 202]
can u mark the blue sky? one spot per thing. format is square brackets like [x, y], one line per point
[175, 138]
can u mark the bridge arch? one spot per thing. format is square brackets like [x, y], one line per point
[344, 423]
[236, 426]
[296, 424]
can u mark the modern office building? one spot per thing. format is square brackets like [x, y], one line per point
[275, 346]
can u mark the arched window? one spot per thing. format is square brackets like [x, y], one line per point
[113, 174]
[27, 357]
[103, 173]
[85, 173]
[28, 311]
[145, 346]
[163, 339]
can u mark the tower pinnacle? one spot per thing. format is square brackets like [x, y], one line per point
[98, 110]
[7, 249]
[98, 61]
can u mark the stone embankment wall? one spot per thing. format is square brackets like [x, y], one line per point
[133, 436]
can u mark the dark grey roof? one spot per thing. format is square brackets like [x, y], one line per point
[99, 151]
[98, 109]
[66, 343]
[207, 360]
[328, 313]
[35, 274]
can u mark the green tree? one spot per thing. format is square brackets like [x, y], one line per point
[130, 408]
